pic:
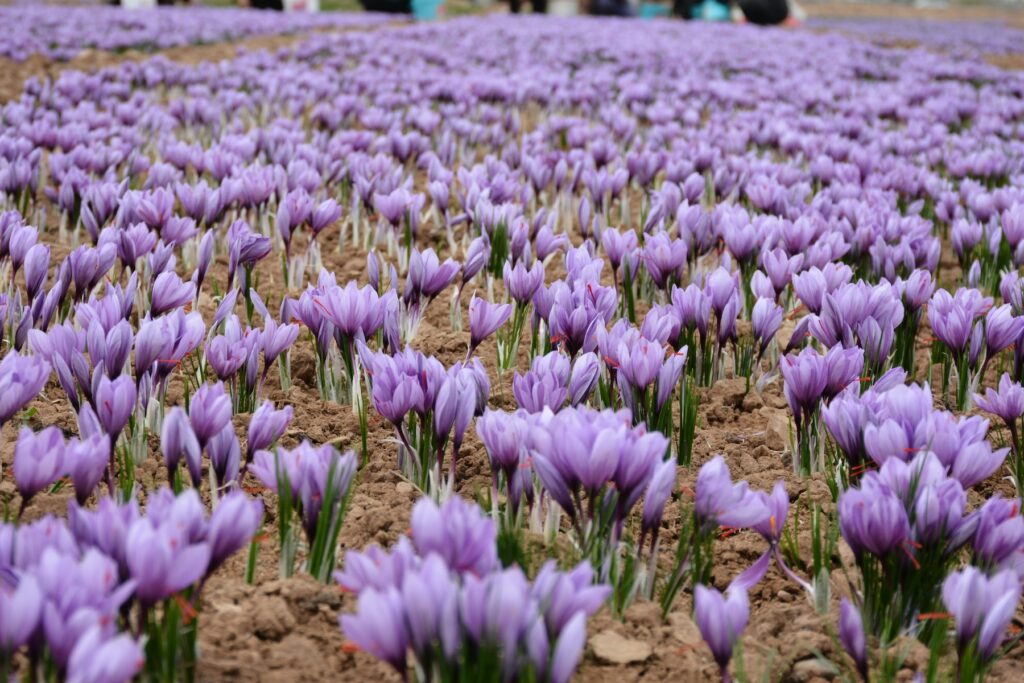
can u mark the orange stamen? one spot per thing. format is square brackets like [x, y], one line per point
[188, 612]
[933, 615]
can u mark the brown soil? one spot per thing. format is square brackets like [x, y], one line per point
[1014, 62]
[13, 74]
[844, 10]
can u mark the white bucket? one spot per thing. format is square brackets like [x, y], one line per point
[563, 8]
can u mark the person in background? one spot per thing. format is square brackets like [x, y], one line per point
[760, 12]
[610, 8]
[263, 4]
[387, 6]
[766, 12]
[538, 6]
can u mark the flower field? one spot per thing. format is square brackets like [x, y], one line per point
[510, 349]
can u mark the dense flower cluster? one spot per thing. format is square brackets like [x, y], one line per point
[61, 32]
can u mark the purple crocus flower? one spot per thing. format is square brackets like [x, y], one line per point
[233, 523]
[952, 316]
[265, 427]
[999, 532]
[375, 568]
[155, 208]
[765, 320]
[162, 558]
[204, 259]
[1007, 402]
[851, 635]
[720, 502]
[276, 339]
[664, 259]
[378, 626]
[38, 461]
[721, 287]
[178, 230]
[778, 506]
[20, 611]
[325, 213]
[918, 289]
[393, 207]
[21, 239]
[89, 265]
[537, 390]
[477, 255]
[779, 266]
[225, 455]
[115, 402]
[810, 287]
[616, 245]
[134, 243]
[431, 603]
[503, 437]
[982, 606]
[640, 365]
[1002, 329]
[170, 292]
[458, 531]
[806, 377]
[522, 282]
[226, 355]
[693, 307]
[872, 518]
[668, 376]
[209, 411]
[104, 528]
[112, 348]
[245, 247]
[484, 320]
[37, 262]
[658, 491]
[352, 309]
[428, 277]
[21, 380]
[546, 242]
[394, 392]
[577, 312]
[177, 441]
[309, 470]
[976, 462]
[721, 620]
[844, 368]
[455, 405]
[96, 659]
[569, 648]
[86, 461]
[79, 593]
[165, 341]
[566, 594]
[586, 371]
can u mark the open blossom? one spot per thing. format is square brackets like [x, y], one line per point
[982, 606]
[1007, 402]
[38, 460]
[21, 379]
[806, 377]
[720, 502]
[485, 318]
